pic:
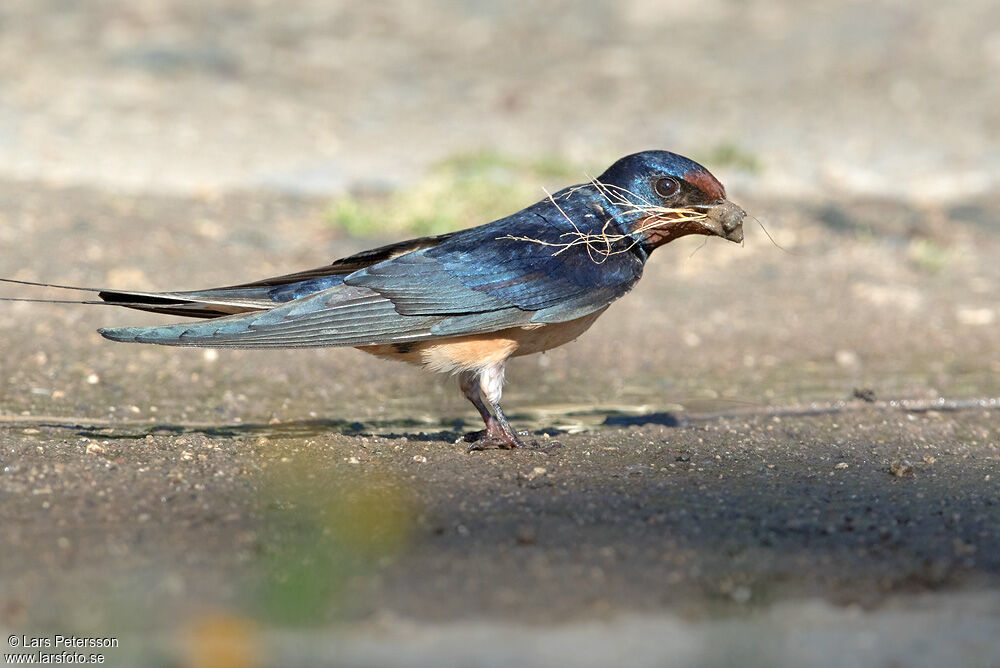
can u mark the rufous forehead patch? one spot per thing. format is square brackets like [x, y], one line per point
[706, 183]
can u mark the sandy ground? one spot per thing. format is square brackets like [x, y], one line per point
[769, 457]
[713, 484]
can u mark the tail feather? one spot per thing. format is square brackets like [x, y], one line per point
[244, 298]
[55, 301]
[182, 304]
[189, 309]
[49, 285]
[198, 304]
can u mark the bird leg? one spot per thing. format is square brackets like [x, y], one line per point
[468, 381]
[483, 388]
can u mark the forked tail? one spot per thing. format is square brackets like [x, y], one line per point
[196, 304]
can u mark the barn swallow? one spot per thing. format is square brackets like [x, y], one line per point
[465, 302]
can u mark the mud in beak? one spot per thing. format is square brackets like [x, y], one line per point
[725, 220]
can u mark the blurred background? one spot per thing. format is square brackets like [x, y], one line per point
[810, 98]
[751, 493]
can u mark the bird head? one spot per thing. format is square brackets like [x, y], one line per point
[658, 196]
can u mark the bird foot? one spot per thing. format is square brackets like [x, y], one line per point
[491, 442]
[484, 440]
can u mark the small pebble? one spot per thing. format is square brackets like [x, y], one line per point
[901, 468]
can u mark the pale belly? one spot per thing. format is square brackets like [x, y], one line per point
[474, 351]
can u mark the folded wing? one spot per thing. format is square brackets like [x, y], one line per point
[475, 281]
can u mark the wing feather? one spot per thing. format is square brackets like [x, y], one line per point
[475, 281]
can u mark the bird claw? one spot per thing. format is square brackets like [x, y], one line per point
[483, 440]
[491, 442]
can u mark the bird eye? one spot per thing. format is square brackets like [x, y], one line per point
[667, 187]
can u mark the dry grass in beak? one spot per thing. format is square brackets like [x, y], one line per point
[602, 245]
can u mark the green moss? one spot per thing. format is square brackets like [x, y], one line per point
[461, 191]
[928, 256]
